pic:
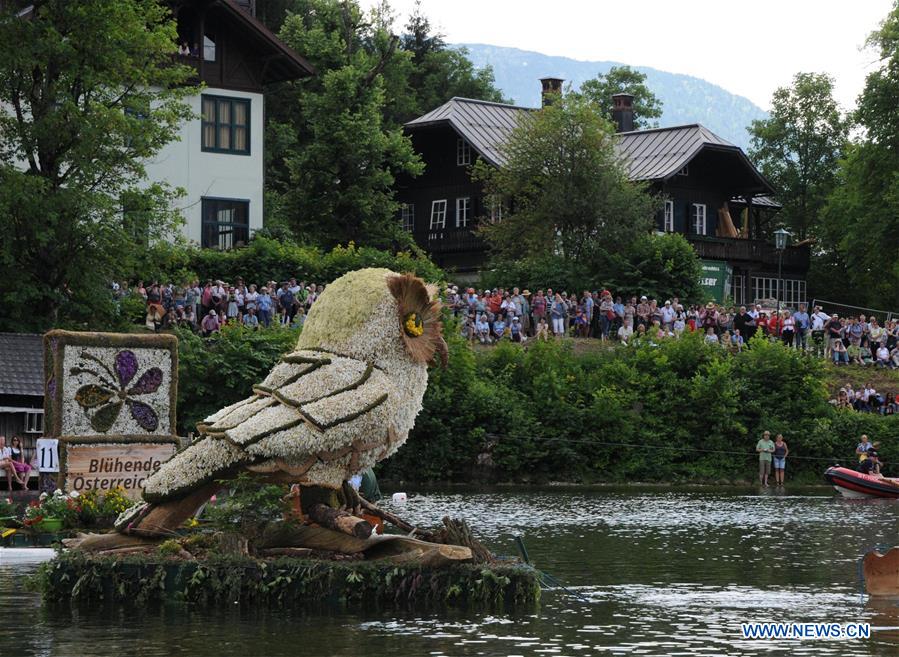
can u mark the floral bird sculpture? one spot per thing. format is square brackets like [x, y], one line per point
[345, 398]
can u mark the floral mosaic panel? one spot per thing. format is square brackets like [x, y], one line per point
[120, 387]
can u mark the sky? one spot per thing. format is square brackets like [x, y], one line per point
[750, 48]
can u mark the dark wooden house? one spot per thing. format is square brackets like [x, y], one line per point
[22, 388]
[714, 195]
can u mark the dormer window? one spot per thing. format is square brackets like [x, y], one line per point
[685, 171]
[463, 153]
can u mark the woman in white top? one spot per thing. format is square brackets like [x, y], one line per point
[788, 326]
[6, 464]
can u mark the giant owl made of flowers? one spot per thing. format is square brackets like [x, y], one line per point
[346, 397]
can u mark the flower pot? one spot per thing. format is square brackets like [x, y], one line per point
[49, 525]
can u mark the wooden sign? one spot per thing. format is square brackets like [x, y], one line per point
[107, 466]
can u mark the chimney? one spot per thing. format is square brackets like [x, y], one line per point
[623, 112]
[550, 89]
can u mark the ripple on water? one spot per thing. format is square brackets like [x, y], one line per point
[654, 573]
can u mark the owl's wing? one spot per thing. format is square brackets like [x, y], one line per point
[306, 388]
[303, 397]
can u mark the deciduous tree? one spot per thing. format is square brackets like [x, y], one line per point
[624, 79]
[88, 91]
[798, 149]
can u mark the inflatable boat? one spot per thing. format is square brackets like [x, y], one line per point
[857, 485]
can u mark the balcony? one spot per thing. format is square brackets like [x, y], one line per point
[454, 240]
[751, 252]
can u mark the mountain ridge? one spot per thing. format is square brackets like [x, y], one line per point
[685, 98]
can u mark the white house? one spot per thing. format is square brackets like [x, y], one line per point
[218, 159]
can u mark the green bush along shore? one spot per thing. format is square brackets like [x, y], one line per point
[678, 411]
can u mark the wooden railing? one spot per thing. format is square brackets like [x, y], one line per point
[453, 240]
[755, 251]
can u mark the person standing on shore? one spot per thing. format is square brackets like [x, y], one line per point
[765, 448]
[780, 459]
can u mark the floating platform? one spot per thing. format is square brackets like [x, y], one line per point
[76, 578]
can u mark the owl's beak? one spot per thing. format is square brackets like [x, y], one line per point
[442, 351]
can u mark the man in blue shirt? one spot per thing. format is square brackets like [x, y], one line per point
[801, 320]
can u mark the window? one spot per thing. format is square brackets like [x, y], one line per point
[226, 223]
[34, 422]
[463, 152]
[209, 47]
[685, 171]
[463, 209]
[226, 125]
[407, 216]
[698, 217]
[438, 214]
[495, 204]
[738, 289]
[792, 291]
[669, 217]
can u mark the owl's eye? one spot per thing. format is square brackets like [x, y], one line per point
[413, 325]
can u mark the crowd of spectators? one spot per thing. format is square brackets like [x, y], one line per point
[208, 307]
[867, 400]
[489, 316]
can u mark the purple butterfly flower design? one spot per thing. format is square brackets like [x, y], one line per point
[107, 397]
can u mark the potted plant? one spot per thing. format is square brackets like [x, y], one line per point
[50, 513]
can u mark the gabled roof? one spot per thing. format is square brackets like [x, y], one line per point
[484, 125]
[659, 153]
[652, 154]
[21, 364]
[285, 64]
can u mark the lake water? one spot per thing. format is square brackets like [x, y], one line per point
[650, 572]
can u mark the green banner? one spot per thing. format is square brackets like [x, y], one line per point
[715, 279]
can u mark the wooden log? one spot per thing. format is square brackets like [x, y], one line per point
[881, 572]
[411, 551]
[289, 534]
[394, 520]
[296, 552]
[163, 519]
[340, 521]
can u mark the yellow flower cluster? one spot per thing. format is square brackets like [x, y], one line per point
[413, 325]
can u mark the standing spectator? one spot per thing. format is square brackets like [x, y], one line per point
[765, 448]
[668, 314]
[819, 320]
[781, 451]
[787, 331]
[558, 312]
[264, 306]
[801, 327]
[538, 307]
[526, 326]
[287, 301]
[606, 314]
[643, 312]
[833, 330]
[588, 303]
[680, 320]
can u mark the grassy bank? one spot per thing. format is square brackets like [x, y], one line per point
[681, 411]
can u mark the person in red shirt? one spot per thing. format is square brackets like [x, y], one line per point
[495, 302]
[775, 325]
[762, 323]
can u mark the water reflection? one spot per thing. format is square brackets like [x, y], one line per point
[655, 572]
